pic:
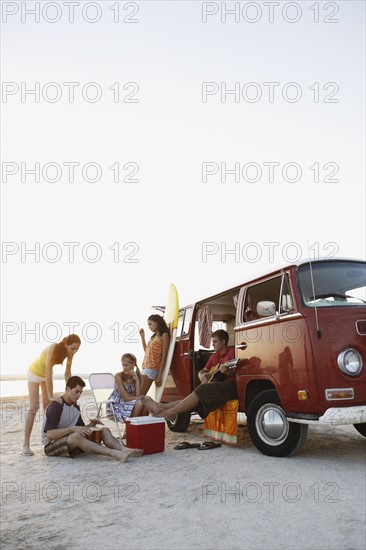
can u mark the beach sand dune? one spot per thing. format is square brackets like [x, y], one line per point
[225, 498]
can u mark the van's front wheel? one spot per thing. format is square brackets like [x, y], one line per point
[361, 428]
[180, 422]
[270, 430]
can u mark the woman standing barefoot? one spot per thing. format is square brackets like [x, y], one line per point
[156, 352]
[40, 375]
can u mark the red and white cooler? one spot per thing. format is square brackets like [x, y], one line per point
[146, 432]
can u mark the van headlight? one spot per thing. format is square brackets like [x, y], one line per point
[350, 362]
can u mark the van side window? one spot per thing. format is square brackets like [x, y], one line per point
[287, 303]
[184, 321]
[180, 323]
[187, 320]
[267, 291]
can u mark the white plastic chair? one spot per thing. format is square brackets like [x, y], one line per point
[102, 384]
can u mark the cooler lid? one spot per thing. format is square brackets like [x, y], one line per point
[146, 420]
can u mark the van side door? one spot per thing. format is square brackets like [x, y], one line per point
[181, 368]
[272, 337]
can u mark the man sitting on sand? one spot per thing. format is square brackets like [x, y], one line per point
[207, 397]
[65, 434]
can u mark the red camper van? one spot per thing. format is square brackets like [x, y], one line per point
[299, 334]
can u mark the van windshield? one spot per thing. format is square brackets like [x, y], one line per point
[336, 283]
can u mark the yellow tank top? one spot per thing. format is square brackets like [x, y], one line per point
[38, 367]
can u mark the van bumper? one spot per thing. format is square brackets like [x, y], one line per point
[334, 416]
[344, 415]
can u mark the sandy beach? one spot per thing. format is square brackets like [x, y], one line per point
[225, 498]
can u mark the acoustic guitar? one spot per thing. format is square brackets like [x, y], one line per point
[215, 369]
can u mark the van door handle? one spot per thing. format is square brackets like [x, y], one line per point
[242, 345]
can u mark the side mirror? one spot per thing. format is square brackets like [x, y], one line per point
[232, 364]
[265, 309]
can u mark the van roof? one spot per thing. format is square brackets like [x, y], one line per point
[275, 270]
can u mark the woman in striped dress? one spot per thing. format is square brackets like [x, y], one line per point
[127, 391]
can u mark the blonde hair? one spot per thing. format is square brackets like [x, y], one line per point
[132, 358]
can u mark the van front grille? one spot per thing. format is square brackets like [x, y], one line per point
[361, 327]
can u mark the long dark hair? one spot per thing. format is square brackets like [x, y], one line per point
[162, 326]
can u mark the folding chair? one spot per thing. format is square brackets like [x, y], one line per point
[102, 384]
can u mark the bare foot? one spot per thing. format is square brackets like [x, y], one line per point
[134, 452]
[27, 451]
[151, 405]
[168, 414]
[121, 456]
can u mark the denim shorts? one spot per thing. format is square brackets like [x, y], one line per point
[150, 373]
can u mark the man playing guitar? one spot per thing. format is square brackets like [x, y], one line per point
[222, 354]
[206, 397]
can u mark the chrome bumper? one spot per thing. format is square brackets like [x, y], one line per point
[344, 415]
[337, 416]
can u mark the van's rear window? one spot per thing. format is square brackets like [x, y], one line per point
[335, 283]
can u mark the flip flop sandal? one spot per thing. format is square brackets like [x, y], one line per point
[206, 445]
[186, 445]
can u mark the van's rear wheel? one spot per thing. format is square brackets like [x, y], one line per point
[180, 422]
[270, 430]
[361, 428]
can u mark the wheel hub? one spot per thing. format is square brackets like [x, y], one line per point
[272, 424]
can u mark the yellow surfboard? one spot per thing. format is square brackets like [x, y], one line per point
[171, 314]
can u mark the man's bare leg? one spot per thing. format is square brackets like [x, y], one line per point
[169, 410]
[112, 443]
[157, 408]
[77, 440]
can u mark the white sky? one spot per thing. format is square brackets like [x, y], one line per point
[169, 133]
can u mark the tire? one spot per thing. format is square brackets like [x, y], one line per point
[270, 430]
[361, 428]
[180, 422]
